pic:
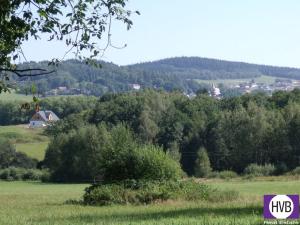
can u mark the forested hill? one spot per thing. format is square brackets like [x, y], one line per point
[167, 74]
[205, 68]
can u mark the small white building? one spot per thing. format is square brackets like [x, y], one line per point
[136, 86]
[43, 119]
[215, 92]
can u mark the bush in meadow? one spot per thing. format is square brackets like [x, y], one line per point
[260, 170]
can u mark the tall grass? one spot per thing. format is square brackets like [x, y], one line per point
[40, 204]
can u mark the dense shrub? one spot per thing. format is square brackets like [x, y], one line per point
[147, 162]
[92, 153]
[146, 192]
[9, 157]
[35, 174]
[105, 195]
[75, 157]
[227, 174]
[7, 153]
[21, 160]
[260, 170]
[296, 171]
[12, 173]
[10, 113]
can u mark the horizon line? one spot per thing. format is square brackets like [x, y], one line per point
[171, 57]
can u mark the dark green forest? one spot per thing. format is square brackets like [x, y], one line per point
[168, 74]
[233, 132]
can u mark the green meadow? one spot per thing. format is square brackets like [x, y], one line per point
[261, 79]
[40, 204]
[35, 150]
[15, 97]
[27, 140]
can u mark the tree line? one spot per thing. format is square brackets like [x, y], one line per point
[90, 80]
[169, 74]
[234, 132]
[12, 112]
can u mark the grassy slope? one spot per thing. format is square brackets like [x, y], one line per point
[38, 204]
[34, 150]
[14, 97]
[30, 141]
[261, 79]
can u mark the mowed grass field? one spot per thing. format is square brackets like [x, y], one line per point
[30, 141]
[24, 203]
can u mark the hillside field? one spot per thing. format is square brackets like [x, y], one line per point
[27, 140]
[15, 97]
[260, 79]
[36, 203]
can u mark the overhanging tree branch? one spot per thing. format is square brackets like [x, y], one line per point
[24, 72]
[79, 24]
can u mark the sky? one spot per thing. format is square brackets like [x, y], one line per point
[254, 31]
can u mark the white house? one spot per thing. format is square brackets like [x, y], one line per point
[43, 119]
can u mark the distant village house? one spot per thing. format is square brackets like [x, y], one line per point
[43, 119]
[135, 86]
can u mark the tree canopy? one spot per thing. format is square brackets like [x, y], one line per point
[235, 132]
